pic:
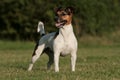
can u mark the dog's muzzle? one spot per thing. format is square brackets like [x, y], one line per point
[60, 23]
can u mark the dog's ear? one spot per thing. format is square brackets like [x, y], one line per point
[58, 9]
[69, 10]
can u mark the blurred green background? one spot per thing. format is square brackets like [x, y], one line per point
[94, 18]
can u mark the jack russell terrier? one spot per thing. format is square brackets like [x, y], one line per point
[59, 43]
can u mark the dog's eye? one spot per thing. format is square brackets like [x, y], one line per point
[63, 14]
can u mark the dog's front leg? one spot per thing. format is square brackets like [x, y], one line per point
[73, 60]
[56, 61]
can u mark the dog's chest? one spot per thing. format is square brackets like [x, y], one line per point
[65, 42]
[66, 49]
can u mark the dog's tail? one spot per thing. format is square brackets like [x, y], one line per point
[40, 28]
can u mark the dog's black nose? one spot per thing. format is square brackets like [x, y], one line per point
[56, 19]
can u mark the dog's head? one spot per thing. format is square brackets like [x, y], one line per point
[63, 16]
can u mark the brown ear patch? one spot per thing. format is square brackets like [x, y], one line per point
[69, 10]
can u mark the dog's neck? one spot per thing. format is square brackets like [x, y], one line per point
[66, 31]
[67, 27]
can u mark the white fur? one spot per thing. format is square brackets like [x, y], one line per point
[40, 28]
[65, 43]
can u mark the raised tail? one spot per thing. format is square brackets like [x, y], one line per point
[40, 28]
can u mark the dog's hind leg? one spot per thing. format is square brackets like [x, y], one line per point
[37, 52]
[51, 57]
[51, 60]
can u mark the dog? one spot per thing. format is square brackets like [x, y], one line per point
[59, 43]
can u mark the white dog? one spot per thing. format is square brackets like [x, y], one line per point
[58, 43]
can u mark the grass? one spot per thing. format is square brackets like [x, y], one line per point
[94, 62]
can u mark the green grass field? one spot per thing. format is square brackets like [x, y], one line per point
[94, 62]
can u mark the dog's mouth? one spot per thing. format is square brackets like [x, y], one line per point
[61, 23]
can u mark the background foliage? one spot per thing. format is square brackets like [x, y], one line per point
[19, 18]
